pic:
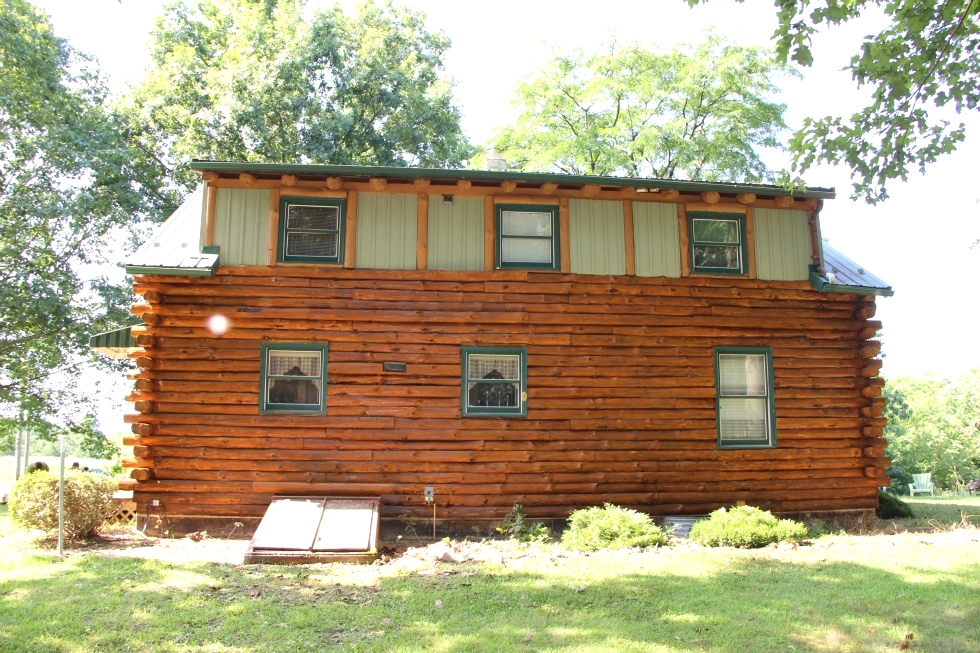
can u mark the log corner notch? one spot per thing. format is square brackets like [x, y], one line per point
[141, 474]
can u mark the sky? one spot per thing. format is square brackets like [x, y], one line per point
[918, 241]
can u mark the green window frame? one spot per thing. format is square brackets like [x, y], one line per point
[718, 243]
[310, 236]
[528, 236]
[744, 407]
[494, 382]
[293, 378]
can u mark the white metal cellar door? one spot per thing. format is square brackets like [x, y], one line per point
[302, 530]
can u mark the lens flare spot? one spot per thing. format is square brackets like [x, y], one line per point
[218, 325]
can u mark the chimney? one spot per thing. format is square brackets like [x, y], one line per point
[495, 162]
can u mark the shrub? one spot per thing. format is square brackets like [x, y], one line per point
[891, 507]
[745, 527]
[611, 527]
[516, 526]
[88, 502]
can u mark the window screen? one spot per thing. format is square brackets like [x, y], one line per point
[311, 230]
[744, 397]
[494, 381]
[293, 377]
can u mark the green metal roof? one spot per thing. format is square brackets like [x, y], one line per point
[175, 248]
[391, 172]
[842, 275]
[115, 344]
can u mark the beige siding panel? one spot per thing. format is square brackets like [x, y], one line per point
[656, 240]
[455, 233]
[386, 231]
[597, 237]
[241, 225]
[782, 245]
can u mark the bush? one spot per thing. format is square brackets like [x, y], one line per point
[88, 502]
[891, 507]
[611, 527]
[516, 526]
[745, 527]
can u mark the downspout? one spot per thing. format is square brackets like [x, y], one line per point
[816, 241]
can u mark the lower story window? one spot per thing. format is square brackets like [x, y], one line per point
[745, 411]
[494, 381]
[293, 378]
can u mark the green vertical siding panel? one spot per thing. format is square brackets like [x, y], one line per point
[455, 233]
[386, 231]
[597, 238]
[241, 225]
[782, 245]
[656, 240]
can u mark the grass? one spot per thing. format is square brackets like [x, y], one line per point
[943, 509]
[844, 593]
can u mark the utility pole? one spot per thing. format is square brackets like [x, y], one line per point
[17, 451]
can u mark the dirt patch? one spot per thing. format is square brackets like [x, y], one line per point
[435, 557]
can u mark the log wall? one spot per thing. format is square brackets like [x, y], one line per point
[621, 398]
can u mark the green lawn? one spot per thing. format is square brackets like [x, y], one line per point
[843, 593]
[941, 510]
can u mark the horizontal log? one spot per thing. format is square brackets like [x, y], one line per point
[133, 463]
[141, 451]
[130, 440]
[865, 312]
[141, 474]
[870, 350]
[872, 369]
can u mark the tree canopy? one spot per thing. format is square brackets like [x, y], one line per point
[71, 180]
[923, 64]
[266, 80]
[934, 427]
[696, 112]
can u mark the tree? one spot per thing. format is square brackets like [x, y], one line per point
[923, 62]
[71, 182]
[695, 113]
[259, 80]
[933, 427]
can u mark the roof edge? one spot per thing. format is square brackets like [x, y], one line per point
[496, 176]
[823, 285]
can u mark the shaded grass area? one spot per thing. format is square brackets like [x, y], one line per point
[844, 594]
[945, 510]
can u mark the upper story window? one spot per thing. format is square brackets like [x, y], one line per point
[293, 378]
[527, 236]
[718, 243]
[745, 410]
[311, 230]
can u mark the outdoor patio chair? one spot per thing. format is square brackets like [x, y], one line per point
[921, 483]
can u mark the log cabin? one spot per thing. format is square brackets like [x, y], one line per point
[503, 338]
